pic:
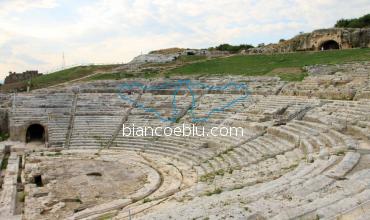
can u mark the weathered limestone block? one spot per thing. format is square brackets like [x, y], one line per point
[346, 165]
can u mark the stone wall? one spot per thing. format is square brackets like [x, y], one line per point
[18, 77]
[345, 38]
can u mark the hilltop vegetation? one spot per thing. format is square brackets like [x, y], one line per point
[360, 22]
[231, 48]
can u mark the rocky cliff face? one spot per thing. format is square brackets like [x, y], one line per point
[323, 39]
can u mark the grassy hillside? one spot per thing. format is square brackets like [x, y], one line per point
[253, 65]
[68, 75]
[287, 66]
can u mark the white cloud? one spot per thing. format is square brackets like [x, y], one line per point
[116, 30]
[8, 7]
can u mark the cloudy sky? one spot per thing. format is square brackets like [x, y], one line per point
[35, 33]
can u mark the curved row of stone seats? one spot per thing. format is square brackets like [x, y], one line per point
[234, 137]
[96, 119]
[328, 194]
[254, 191]
[299, 137]
[43, 100]
[272, 107]
[328, 93]
[99, 86]
[341, 85]
[260, 85]
[176, 150]
[228, 128]
[219, 106]
[143, 116]
[189, 149]
[322, 189]
[265, 88]
[176, 174]
[172, 179]
[353, 116]
[195, 149]
[260, 171]
[166, 105]
[93, 131]
[159, 86]
[251, 152]
[306, 191]
[105, 103]
[314, 137]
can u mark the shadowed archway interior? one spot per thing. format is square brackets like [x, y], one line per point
[35, 132]
[330, 45]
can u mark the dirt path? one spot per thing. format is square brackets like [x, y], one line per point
[76, 80]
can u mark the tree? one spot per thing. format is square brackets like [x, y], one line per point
[232, 48]
[360, 22]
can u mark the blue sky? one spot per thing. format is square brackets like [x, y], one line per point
[35, 33]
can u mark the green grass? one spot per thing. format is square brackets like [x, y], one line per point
[67, 75]
[110, 76]
[190, 58]
[253, 65]
[3, 136]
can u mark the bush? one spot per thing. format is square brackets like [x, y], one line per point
[360, 22]
[232, 48]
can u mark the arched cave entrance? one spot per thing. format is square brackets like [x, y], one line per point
[35, 132]
[330, 45]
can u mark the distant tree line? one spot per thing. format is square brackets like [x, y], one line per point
[231, 48]
[360, 22]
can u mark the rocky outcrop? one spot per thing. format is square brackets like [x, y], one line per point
[154, 58]
[322, 39]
